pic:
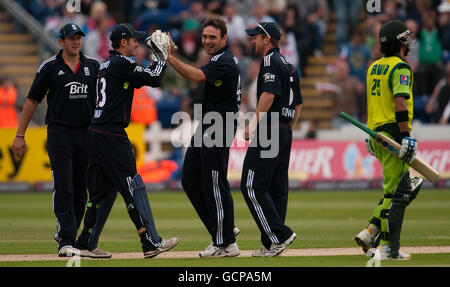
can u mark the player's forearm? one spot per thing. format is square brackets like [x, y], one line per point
[298, 109]
[191, 73]
[264, 104]
[25, 116]
[401, 114]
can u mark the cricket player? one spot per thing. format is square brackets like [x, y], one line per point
[390, 111]
[68, 81]
[264, 182]
[112, 164]
[205, 167]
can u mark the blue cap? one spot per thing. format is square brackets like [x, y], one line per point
[267, 28]
[69, 30]
[125, 31]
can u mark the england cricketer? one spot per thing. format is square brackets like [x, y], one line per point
[112, 164]
[68, 81]
[264, 181]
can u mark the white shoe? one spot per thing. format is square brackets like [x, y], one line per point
[275, 249]
[231, 250]
[365, 240]
[371, 252]
[383, 253]
[96, 253]
[166, 245]
[68, 251]
[261, 252]
[236, 231]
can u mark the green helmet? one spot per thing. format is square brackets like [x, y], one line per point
[394, 33]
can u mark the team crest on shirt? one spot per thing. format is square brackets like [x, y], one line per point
[404, 80]
[86, 71]
[268, 77]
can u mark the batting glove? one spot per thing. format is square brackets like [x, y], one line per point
[159, 43]
[408, 150]
[369, 147]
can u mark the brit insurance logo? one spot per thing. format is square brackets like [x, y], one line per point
[77, 90]
[268, 77]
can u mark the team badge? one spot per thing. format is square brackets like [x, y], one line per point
[86, 71]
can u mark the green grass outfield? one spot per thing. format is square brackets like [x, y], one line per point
[322, 219]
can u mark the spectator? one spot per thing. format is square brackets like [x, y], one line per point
[190, 39]
[97, 43]
[413, 57]
[43, 9]
[243, 7]
[55, 21]
[347, 12]
[292, 23]
[430, 53]
[357, 56]
[259, 15]
[288, 47]
[86, 6]
[135, 7]
[143, 109]
[99, 10]
[316, 17]
[348, 93]
[214, 7]
[235, 25]
[374, 43]
[444, 25]
[156, 14]
[275, 8]
[8, 97]
[197, 11]
[440, 98]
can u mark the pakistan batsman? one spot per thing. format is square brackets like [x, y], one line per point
[390, 111]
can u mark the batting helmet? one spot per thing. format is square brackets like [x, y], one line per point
[393, 34]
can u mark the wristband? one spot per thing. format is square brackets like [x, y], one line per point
[401, 116]
[20, 136]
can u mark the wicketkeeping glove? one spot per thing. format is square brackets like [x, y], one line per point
[160, 45]
[369, 147]
[408, 149]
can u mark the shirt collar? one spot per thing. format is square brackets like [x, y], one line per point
[114, 53]
[60, 58]
[221, 50]
[274, 49]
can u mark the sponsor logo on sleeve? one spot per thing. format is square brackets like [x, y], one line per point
[268, 77]
[404, 80]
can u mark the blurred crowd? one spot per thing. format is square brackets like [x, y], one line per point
[304, 25]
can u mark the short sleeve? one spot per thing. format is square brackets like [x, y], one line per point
[401, 81]
[215, 70]
[271, 81]
[39, 87]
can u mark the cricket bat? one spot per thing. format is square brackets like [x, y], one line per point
[393, 147]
